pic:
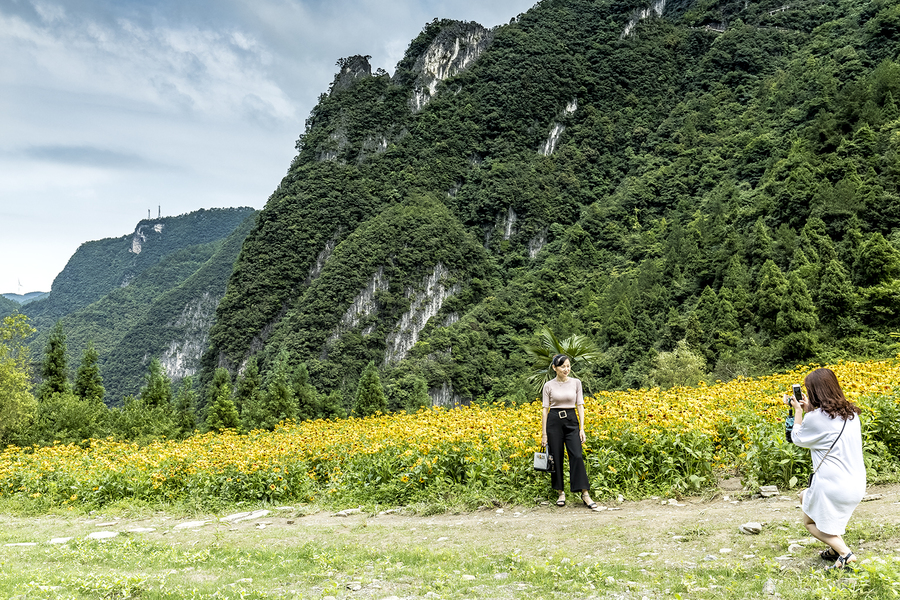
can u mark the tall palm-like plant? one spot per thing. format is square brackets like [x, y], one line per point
[580, 350]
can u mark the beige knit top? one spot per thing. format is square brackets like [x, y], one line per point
[558, 394]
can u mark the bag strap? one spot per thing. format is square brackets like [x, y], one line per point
[830, 449]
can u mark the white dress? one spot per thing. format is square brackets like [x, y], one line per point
[840, 483]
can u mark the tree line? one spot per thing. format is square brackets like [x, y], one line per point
[64, 409]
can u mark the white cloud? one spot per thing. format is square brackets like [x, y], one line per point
[109, 108]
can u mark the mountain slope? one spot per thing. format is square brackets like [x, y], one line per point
[99, 267]
[718, 172]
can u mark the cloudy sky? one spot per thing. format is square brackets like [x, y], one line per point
[109, 108]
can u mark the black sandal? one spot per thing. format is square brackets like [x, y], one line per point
[829, 554]
[561, 502]
[592, 505]
[841, 563]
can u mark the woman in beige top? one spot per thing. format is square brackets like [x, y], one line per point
[562, 398]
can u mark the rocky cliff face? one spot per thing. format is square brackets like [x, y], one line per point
[353, 69]
[454, 49]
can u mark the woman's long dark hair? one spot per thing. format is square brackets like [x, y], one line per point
[825, 392]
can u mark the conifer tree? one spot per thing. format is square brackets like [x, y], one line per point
[736, 284]
[249, 397]
[221, 413]
[305, 395]
[278, 400]
[333, 406]
[370, 397]
[878, 261]
[186, 407]
[88, 382]
[157, 390]
[760, 243]
[836, 294]
[797, 320]
[55, 368]
[728, 330]
[769, 296]
[816, 242]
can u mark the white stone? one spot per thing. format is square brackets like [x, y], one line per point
[751, 528]
[190, 524]
[102, 535]
[468, 578]
[62, 540]
[256, 514]
[141, 530]
[21, 544]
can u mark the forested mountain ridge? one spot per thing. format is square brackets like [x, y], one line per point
[151, 294]
[717, 173]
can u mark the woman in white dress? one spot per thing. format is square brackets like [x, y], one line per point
[826, 423]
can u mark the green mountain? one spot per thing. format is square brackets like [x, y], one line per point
[99, 267]
[162, 306]
[723, 173]
[24, 298]
[7, 306]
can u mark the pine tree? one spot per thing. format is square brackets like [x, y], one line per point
[797, 320]
[836, 294]
[55, 368]
[307, 399]
[369, 393]
[736, 284]
[278, 400]
[221, 413]
[157, 390]
[728, 330]
[186, 407]
[769, 296]
[760, 243]
[333, 406]
[88, 382]
[249, 397]
[878, 261]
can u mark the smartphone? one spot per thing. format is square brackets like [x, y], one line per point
[797, 393]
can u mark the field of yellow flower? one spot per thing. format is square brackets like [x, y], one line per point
[639, 442]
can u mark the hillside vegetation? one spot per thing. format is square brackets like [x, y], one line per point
[721, 174]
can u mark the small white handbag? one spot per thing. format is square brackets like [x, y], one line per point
[543, 461]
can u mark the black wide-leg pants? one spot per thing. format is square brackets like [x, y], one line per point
[563, 431]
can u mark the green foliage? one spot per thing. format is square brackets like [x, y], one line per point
[68, 419]
[580, 350]
[55, 368]
[220, 410]
[88, 381]
[248, 397]
[186, 408]
[17, 404]
[139, 422]
[797, 321]
[278, 402]
[680, 367]
[370, 398]
[157, 390]
[333, 406]
[308, 406]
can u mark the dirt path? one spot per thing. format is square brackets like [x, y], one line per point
[652, 531]
[658, 542]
